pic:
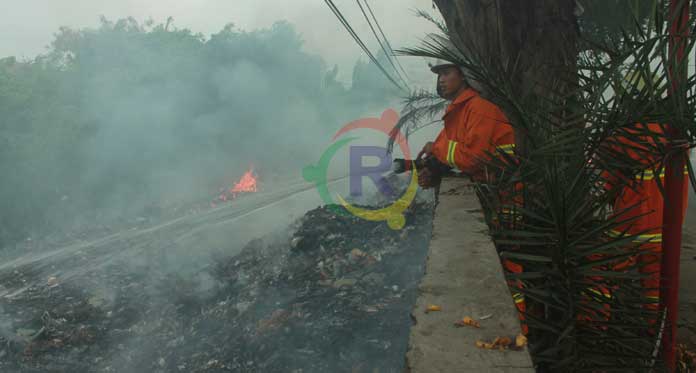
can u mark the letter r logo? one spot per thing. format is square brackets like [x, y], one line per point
[358, 170]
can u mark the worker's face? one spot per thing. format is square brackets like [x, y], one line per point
[449, 82]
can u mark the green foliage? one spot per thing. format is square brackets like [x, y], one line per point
[549, 207]
[418, 111]
[127, 115]
[606, 21]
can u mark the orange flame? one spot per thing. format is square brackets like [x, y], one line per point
[246, 184]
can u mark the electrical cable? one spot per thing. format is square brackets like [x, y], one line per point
[360, 43]
[369, 8]
[387, 54]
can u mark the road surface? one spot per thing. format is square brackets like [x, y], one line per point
[687, 311]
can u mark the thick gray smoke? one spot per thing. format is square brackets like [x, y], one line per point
[117, 253]
[132, 120]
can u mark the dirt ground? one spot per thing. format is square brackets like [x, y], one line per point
[687, 311]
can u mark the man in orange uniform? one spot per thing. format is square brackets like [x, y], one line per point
[474, 129]
[644, 202]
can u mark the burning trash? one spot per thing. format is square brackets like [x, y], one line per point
[334, 296]
[248, 183]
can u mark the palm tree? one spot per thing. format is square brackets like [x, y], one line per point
[549, 207]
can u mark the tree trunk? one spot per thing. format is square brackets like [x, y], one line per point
[534, 44]
[535, 41]
[539, 36]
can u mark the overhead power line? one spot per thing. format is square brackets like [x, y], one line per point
[357, 39]
[387, 54]
[369, 8]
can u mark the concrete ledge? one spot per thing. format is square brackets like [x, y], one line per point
[464, 277]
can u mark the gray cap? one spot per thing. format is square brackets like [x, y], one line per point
[440, 65]
[444, 42]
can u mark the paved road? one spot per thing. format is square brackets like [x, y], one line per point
[687, 311]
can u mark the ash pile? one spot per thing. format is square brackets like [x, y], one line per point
[333, 296]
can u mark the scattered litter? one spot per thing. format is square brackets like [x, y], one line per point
[344, 282]
[686, 359]
[52, 281]
[357, 253]
[432, 308]
[295, 242]
[520, 341]
[259, 309]
[467, 321]
[503, 343]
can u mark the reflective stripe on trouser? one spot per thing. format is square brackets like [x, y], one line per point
[650, 263]
[521, 306]
[596, 293]
[642, 238]
[517, 297]
[507, 148]
[650, 174]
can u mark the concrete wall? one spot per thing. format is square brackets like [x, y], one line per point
[464, 277]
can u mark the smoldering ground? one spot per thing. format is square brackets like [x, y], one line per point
[331, 293]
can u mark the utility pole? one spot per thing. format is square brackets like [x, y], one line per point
[675, 200]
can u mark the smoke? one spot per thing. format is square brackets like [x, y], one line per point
[319, 28]
[118, 132]
[132, 120]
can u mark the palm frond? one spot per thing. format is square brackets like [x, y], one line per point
[429, 17]
[549, 207]
[419, 110]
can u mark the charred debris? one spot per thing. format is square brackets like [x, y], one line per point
[334, 295]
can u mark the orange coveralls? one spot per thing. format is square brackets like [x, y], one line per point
[649, 203]
[475, 128]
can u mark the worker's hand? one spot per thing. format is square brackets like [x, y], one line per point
[426, 178]
[426, 151]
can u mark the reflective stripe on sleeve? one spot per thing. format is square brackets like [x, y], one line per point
[450, 153]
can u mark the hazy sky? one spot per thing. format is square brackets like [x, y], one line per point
[27, 26]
